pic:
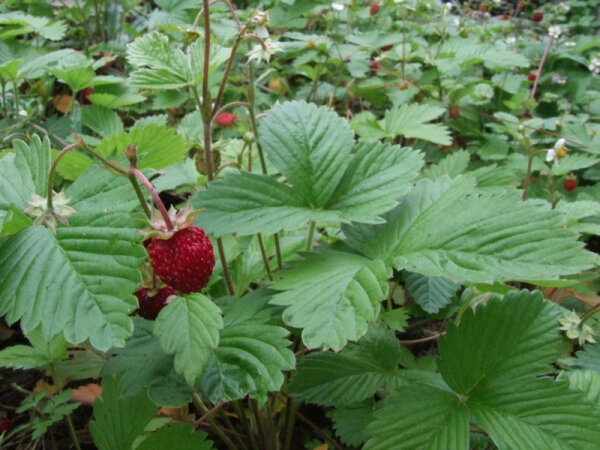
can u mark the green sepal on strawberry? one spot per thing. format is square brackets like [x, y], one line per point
[182, 256]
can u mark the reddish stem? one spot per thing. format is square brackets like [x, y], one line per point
[157, 200]
[539, 71]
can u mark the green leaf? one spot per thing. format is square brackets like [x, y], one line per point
[588, 358]
[250, 360]
[331, 296]
[420, 417]
[350, 422]
[540, 413]
[31, 24]
[452, 165]
[409, 121]
[377, 176]
[396, 319]
[487, 241]
[21, 357]
[586, 381]
[157, 146]
[310, 146]
[102, 120]
[78, 282]
[119, 420]
[177, 436]
[144, 366]
[503, 342]
[188, 327]
[430, 293]
[348, 377]
[98, 190]
[36, 157]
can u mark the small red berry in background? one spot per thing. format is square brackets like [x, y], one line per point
[505, 16]
[483, 8]
[454, 112]
[385, 48]
[374, 66]
[525, 115]
[374, 8]
[520, 6]
[173, 110]
[5, 425]
[150, 305]
[87, 92]
[403, 85]
[570, 184]
[531, 76]
[225, 120]
[537, 16]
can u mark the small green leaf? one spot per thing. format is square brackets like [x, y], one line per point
[188, 327]
[350, 422]
[176, 436]
[430, 293]
[331, 296]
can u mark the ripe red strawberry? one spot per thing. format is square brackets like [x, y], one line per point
[570, 184]
[520, 6]
[385, 48]
[505, 16]
[5, 425]
[403, 85]
[225, 119]
[374, 8]
[184, 261]
[454, 112]
[531, 76]
[150, 305]
[537, 16]
[374, 66]
[173, 111]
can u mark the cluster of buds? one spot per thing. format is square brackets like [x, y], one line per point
[258, 23]
[574, 329]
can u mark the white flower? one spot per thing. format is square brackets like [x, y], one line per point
[337, 6]
[558, 152]
[259, 52]
[564, 6]
[511, 40]
[570, 44]
[595, 66]
[558, 79]
[570, 324]
[554, 31]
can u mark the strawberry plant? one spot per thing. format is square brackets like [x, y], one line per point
[319, 224]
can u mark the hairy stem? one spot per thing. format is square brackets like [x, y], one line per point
[154, 194]
[541, 66]
[53, 171]
[213, 426]
[265, 258]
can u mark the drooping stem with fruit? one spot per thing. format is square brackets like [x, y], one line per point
[159, 204]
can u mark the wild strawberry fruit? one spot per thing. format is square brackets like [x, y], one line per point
[537, 16]
[454, 112]
[505, 16]
[570, 184]
[173, 111]
[87, 92]
[181, 254]
[184, 261]
[403, 85]
[531, 76]
[483, 8]
[374, 66]
[225, 120]
[386, 48]
[5, 425]
[520, 6]
[151, 302]
[374, 8]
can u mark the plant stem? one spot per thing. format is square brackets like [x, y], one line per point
[204, 410]
[241, 412]
[587, 315]
[318, 431]
[259, 425]
[53, 171]
[539, 71]
[290, 416]
[234, 49]
[157, 200]
[16, 98]
[311, 232]
[265, 258]
[140, 195]
[72, 432]
[528, 175]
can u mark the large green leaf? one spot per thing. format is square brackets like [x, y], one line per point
[102, 120]
[78, 282]
[540, 413]
[24, 24]
[333, 181]
[36, 157]
[505, 341]
[420, 417]
[488, 241]
[119, 420]
[250, 360]
[354, 374]
[310, 146]
[331, 296]
[188, 328]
